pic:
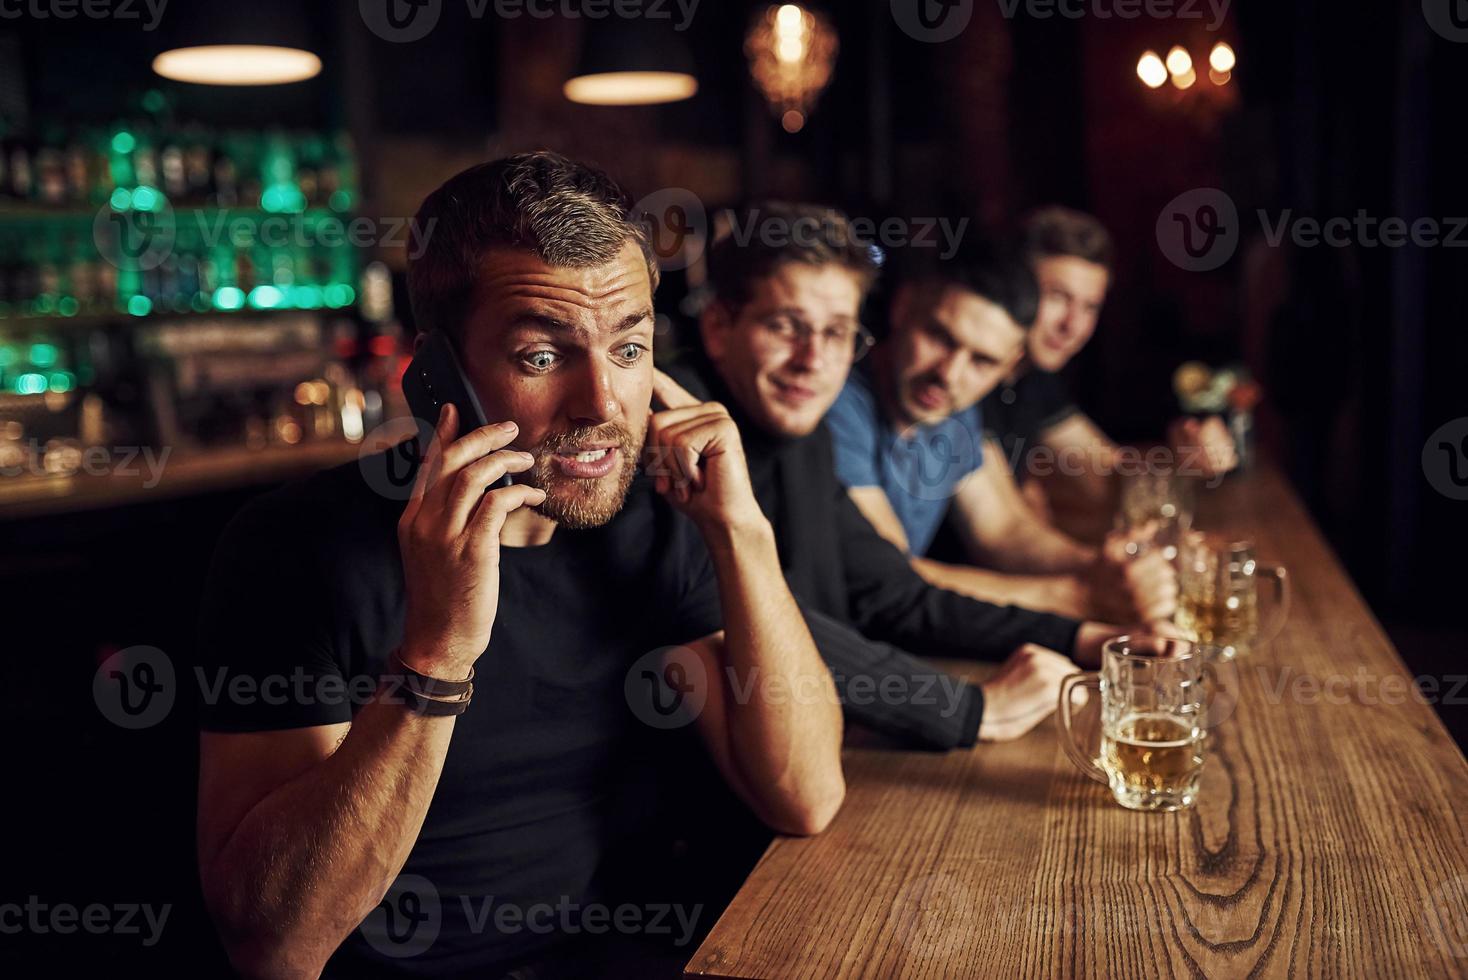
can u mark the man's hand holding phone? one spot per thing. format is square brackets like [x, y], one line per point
[449, 537]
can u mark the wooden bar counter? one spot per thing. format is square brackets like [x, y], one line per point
[1329, 839]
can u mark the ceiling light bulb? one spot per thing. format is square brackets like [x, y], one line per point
[1151, 70]
[1179, 62]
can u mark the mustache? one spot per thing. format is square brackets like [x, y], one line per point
[613, 432]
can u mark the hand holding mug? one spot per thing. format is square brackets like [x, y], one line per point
[1203, 448]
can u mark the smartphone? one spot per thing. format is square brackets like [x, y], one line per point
[434, 377]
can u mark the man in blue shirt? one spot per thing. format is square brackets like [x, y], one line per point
[919, 467]
[910, 448]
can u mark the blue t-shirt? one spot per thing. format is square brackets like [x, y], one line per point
[919, 473]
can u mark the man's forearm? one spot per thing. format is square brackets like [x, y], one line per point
[890, 601]
[929, 708]
[1060, 594]
[1005, 533]
[1031, 547]
[786, 737]
[311, 860]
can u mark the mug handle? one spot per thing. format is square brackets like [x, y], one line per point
[1281, 579]
[1067, 732]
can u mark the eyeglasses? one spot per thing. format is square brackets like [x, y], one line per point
[852, 339]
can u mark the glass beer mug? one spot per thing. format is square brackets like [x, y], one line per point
[1153, 724]
[1218, 594]
[1162, 499]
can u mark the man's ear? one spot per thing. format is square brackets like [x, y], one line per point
[714, 325]
[418, 339]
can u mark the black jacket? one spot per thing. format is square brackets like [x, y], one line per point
[861, 597]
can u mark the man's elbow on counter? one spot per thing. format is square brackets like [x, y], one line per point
[808, 818]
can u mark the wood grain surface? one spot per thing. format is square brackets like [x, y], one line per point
[1329, 838]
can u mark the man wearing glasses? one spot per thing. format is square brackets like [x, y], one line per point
[779, 338]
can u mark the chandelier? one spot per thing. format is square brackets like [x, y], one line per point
[791, 53]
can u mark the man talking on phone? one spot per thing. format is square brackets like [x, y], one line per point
[493, 761]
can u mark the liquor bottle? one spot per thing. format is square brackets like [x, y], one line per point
[20, 172]
[282, 268]
[169, 294]
[209, 279]
[145, 162]
[51, 176]
[346, 152]
[308, 172]
[108, 297]
[280, 193]
[329, 179]
[48, 277]
[198, 173]
[78, 175]
[120, 166]
[226, 177]
[188, 278]
[102, 183]
[175, 181]
[244, 271]
[81, 277]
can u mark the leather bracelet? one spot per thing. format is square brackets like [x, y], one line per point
[431, 707]
[400, 692]
[420, 683]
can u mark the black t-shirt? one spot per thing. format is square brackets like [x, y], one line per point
[548, 768]
[862, 586]
[1018, 414]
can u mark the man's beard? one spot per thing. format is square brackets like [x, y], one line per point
[576, 502]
